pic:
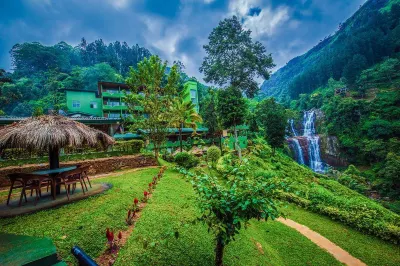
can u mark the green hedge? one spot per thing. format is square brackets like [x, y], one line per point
[133, 146]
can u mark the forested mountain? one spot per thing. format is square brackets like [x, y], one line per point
[371, 35]
[353, 78]
[40, 72]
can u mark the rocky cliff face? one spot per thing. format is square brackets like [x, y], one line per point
[330, 151]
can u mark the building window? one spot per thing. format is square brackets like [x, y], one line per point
[112, 91]
[114, 115]
[193, 94]
[93, 105]
[76, 104]
[113, 103]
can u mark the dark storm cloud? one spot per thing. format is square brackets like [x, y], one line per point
[174, 29]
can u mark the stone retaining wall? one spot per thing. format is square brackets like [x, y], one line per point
[99, 166]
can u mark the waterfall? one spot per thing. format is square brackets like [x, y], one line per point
[315, 161]
[291, 121]
[298, 151]
[306, 147]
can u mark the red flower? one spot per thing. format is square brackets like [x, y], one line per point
[119, 235]
[109, 235]
[136, 201]
[145, 193]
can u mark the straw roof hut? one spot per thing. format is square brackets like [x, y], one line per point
[51, 133]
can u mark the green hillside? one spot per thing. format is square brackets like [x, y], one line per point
[368, 37]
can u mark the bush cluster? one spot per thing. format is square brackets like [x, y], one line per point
[186, 160]
[213, 154]
[134, 145]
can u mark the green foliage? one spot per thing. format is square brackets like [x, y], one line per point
[232, 110]
[186, 160]
[272, 117]
[321, 194]
[390, 174]
[134, 146]
[378, 129]
[158, 91]
[231, 107]
[208, 111]
[233, 59]
[226, 208]
[184, 115]
[213, 154]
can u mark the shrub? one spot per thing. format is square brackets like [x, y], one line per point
[134, 145]
[186, 160]
[213, 154]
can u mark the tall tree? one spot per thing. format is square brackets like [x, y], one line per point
[234, 59]
[272, 117]
[232, 109]
[184, 115]
[151, 108]
[210, 116]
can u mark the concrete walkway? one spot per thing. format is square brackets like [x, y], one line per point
[337, 252]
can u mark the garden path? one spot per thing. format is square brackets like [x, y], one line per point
[336, 251]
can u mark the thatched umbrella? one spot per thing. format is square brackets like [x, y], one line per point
[51, 133]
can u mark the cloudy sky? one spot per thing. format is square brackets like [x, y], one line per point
[173, 29]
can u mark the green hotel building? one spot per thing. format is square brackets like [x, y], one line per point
[108, 102]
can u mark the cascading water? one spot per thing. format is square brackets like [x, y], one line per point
[306, 147]
[314, 156]
[298, 151]
[292, 127]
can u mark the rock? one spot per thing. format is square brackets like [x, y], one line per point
[330, 151]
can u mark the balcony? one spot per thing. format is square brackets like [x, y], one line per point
[113, 94]
[115, 107]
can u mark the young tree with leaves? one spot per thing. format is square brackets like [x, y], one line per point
[227, 208]
[150, 101]
[232, 109]
[184, 115]
[273, 118]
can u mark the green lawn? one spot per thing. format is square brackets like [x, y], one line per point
[264, 243]
[173, 202]
[369, 249]
[84, 223]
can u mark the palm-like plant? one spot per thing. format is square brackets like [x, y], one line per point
[184, 115]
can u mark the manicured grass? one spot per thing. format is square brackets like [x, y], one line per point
[173, 203]
[84, 223]
[369, 249]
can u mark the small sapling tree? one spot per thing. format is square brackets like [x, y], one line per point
[226, 208]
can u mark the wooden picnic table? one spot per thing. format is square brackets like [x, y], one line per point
[54, 173]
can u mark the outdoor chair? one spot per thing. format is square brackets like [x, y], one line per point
[71, 178]
[27, 182]
[35, 183]
[16, 182]
[85, 174]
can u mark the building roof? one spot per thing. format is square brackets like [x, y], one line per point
[80, 90]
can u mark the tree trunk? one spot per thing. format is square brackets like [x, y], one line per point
[156, 151]
[180, 137]
[219, 252]
[237, 147]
